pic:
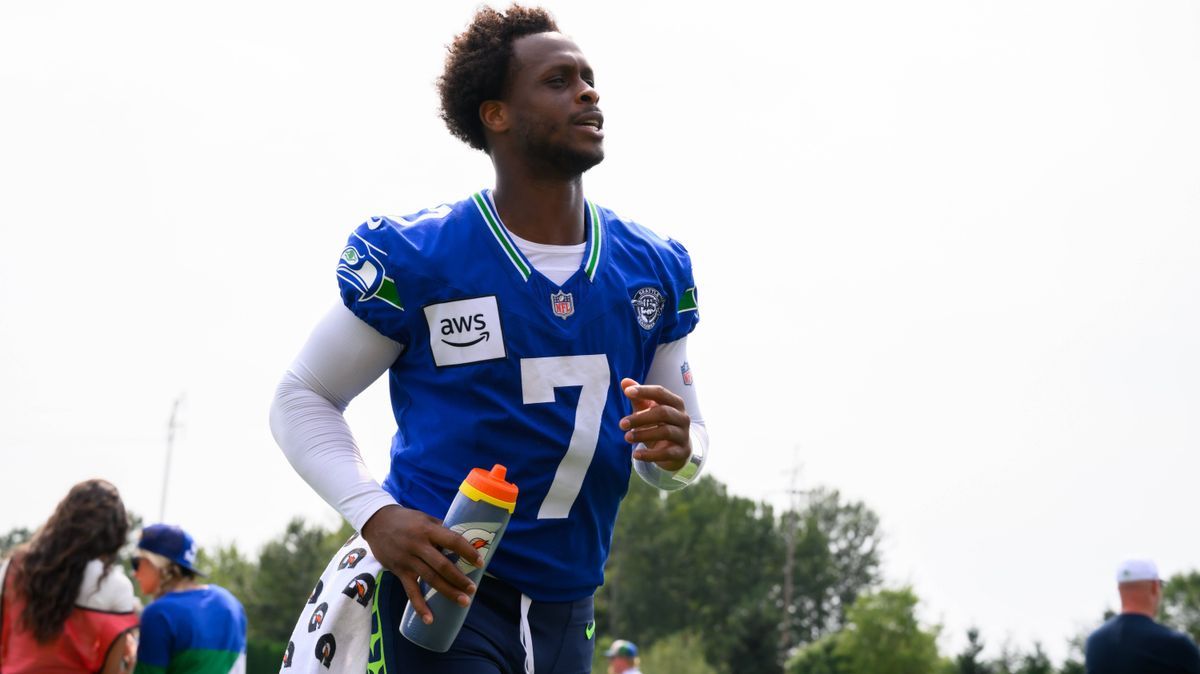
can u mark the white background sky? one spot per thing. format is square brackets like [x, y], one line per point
[948, 255]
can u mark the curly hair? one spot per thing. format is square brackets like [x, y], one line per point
[478, 64]
[89, 523]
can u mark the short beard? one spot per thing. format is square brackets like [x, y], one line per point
[550, 160]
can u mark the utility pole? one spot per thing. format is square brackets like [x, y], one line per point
[172, 426]
[791, 521]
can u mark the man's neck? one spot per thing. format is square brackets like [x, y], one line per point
[1135, 609]
[180, 585]
[541, 211]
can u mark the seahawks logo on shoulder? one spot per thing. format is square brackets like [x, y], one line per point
[360, 267]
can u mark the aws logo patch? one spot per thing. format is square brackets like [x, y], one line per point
[468, 325]
[465, 331]
[361, 589]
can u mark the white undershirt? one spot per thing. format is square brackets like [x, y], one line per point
[556, 263]
[344, 355]
[100, 590]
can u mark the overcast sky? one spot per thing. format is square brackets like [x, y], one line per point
[948, 255]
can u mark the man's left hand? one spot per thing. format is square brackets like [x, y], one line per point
[660, 422]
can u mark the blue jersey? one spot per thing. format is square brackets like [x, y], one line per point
[502, 365]
[200, 631]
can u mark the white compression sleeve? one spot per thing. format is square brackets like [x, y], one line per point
[670, 361]
[342, 357]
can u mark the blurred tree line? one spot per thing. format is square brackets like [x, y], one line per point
[705, 583]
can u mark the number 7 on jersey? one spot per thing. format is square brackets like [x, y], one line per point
[539, 378]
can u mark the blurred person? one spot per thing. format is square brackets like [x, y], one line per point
[623, 658]
[63, 608]
[1132, 642]
[189, 628]
[524, 326]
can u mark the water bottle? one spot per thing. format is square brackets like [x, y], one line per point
[479, 513]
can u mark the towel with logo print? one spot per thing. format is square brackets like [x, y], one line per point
[502, 365]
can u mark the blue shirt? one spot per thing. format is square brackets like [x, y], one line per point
[1132, 643]
[201, 631]
[502, 365]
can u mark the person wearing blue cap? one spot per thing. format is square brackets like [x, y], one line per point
[623, 658]
[190, 627]
[1132, 642]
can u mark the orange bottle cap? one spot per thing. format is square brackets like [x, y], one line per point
[491, 487]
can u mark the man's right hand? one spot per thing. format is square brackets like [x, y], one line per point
[409, 543]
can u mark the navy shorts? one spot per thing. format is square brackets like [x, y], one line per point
[557, 635]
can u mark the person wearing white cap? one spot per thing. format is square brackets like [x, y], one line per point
[1132, 642]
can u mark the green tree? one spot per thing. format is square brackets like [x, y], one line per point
[704, 561]
[1036, 662]
[16, 536]
[677, 654]
[819, 657]
[882, 636]
[969, 662]
[1181, 603]
[288, 568]
[1073, 664]
[698, 559]
[836, 559]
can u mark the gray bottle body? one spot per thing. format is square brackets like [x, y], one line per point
[481, 523]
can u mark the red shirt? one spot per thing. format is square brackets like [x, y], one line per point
[82, 646]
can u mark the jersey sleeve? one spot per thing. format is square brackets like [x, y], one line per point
[682, 310]
[370, 275]
[154, 643]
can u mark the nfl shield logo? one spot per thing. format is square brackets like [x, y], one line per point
[563, 304]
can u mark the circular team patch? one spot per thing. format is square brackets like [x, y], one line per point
[352, 558]
[648, 307]
[326, 648]
[316, 593]
[317, 617]
[361, 589]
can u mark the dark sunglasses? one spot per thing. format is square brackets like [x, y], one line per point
[133, 563]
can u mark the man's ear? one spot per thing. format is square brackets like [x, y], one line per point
[494, 115]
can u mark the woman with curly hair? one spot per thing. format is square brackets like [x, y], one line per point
[62, 606]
